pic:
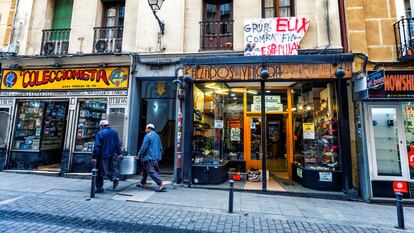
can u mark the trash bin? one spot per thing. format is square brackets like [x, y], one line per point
[128, 165]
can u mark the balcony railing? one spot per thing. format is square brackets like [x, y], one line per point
[108, 39]
[216, 35]
[404, 39]
[55, 42]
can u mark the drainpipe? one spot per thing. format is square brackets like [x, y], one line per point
[342, 23]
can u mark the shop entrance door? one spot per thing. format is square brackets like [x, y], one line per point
[387, 145]
[276, 149]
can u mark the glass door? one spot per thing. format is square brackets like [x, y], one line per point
[276, 134]
[253, 145]
[387, 144]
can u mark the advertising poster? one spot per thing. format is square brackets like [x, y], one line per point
[308, 131]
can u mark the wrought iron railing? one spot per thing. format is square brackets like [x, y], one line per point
[55, 42]
[216, 35]
[108, 39]
[404, 39]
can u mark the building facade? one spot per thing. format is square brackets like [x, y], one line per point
[196, 72]
[380, 34]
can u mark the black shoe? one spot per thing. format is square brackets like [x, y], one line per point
[101, 190]
[115, 183]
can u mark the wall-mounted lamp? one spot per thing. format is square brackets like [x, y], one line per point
[156, 6]
[15, 66]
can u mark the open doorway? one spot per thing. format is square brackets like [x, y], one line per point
[158, 107]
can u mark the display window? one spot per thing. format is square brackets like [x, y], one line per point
[218, 124]
[39, 125]
[91, 112]
[4, 126]
[28, 125]
[408, 116]
[315, 126]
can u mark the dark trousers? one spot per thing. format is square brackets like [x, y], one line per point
[105, 168]
[150, 168]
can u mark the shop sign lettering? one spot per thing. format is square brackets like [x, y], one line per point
[64, 94]
[65, 79]
[272, 104]
[276, 71]
[274, 36]
[117, 101]
[5, 101]
[375, 79]
[394, 85]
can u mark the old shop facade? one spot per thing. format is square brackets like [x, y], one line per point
[306, 123]
[384, 115]
[53, 113]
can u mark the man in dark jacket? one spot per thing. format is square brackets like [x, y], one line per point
[150, 153]
[107, 145]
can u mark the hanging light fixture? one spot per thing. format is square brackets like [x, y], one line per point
[156, 6]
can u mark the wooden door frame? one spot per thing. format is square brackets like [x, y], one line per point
[289, 130]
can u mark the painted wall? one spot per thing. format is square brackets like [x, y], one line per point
[370, 28]
[182, 25]
[7, 9]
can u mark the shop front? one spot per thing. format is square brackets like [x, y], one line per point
[57, 112]
[387, 120]
[300, 147]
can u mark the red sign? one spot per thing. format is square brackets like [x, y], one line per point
[411, 159]
[400, 187]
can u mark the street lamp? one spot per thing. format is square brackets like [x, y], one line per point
[156, 6]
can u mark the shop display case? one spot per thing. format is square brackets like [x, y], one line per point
[316, 157]
[28, 126]
[91, 112]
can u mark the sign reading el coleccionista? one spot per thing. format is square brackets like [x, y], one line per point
[65, 79]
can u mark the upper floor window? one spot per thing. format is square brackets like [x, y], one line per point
[217, 25]
[108, 37]
[277, 8]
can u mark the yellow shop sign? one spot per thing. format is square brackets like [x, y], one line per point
[65, 79]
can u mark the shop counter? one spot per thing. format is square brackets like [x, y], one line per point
[317, 179]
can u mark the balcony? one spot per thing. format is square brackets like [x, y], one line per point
[404, 39]
[107, 39]
[216, 35]
[55, 42]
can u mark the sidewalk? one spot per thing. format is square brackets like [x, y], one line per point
[52, 198]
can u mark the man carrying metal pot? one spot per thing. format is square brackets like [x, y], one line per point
[107, 146]
[150, 153]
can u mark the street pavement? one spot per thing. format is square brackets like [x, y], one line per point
[33, 203]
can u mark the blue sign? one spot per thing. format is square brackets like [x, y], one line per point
[376, 79]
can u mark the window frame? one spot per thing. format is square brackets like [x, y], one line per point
[112, 4]
[276, 8]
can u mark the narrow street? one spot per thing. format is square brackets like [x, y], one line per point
[32, 203]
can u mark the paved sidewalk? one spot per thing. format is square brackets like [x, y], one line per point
[55, 203]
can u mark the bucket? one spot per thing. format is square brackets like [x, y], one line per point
[128, 165]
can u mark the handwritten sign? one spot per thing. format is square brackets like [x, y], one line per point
[274, 36]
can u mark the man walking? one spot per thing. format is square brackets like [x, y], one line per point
[107, 145]
[150, 154]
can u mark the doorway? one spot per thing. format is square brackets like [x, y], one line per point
[158, 107]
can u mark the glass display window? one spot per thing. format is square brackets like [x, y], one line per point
[315, 126]
[218, 123]
[28, 128]
[91, 112]
[408, 116]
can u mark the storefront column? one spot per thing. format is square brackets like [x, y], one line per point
[344, 133]
[263, 111]
[188, 111]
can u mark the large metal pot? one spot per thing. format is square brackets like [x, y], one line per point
[128, 165]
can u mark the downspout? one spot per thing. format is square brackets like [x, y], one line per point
[342, 23]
